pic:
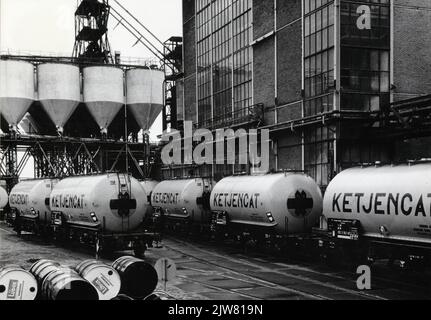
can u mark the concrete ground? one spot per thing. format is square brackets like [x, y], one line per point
[209, 272]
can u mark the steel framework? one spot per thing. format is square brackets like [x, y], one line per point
[62, 157]
[91, 31]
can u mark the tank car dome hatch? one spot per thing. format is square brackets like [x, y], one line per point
[389, 202]
[59, 91]
[103, 93]
[286, 202]
[16, 90]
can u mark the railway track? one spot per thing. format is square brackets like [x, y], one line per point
[224, 261]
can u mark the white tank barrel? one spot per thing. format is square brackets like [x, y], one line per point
[16, 90]
[30, 199]
[59, 91]
[149, 186]
[145, 95]
[390, 202]
[111, 202]
[285, 202]
[183, 199]
[17, 284]
[104, 278]
[103, 93]
[4, 198]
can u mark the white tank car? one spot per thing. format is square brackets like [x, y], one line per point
[114, 203]
[149, 185]
[183, 199]
[390, 202]
[30, 199]
[3, 198]
[285, 202]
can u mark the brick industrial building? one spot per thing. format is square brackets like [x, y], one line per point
[336, 82]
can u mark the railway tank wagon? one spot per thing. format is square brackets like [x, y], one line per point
[29, 203]
[183, 203]
[107, 210]
[3, 198]
[279, 204]
[381, 207]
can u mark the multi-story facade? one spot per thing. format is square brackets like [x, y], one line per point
[321, 70]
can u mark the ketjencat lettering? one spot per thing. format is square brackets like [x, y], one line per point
[236, 200]
[165, 198]
[407, 204]
[67, 201]
[18, 199]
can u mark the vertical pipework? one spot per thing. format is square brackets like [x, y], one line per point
[275, 64]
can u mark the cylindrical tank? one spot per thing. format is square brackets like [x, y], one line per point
[29, 198]
[145, 95]
[42, 268]
[104, 278]
[183, 199]
[16, 90]
[17, 284]
[113, 202]
[286, 202]
[138, 278]
[103, 93]
[123, 297]
[66, 284]
[59, 91]
[390, 202]
[149, 186]
[4, 198]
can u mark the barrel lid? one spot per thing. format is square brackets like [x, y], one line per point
[17, 284]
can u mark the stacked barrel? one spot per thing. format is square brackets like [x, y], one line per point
[128, 278]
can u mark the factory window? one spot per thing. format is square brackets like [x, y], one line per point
[318, 144]
[365, 56]
[223, 32]
[319, 56]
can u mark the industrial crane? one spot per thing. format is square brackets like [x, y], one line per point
[91, 44]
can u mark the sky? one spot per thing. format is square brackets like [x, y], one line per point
[48, 27]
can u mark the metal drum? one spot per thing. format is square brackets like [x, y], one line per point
[17, 284]
[42, 268]
[138, 278]
[123, 297]
[104, 278]
[66, 284]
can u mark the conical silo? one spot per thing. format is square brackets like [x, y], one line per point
[103, 93]
[16, 90]
[59, 91]
[145, 95]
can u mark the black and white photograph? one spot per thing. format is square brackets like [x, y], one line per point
[210, 157]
